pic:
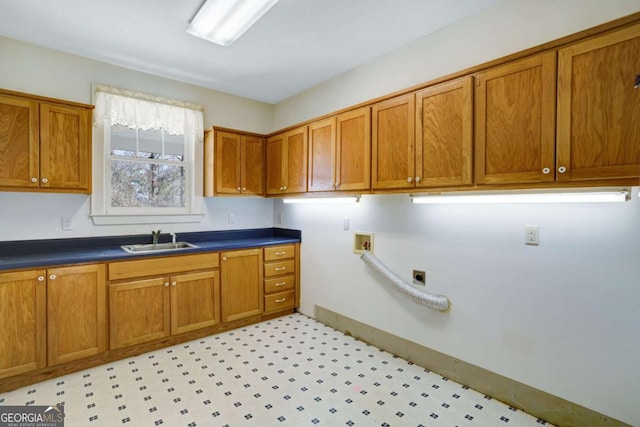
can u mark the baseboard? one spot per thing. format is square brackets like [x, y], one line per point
[536, 402]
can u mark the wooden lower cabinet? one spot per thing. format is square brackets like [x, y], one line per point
[150, 309]
[195, 301]
[53, 316]
[139, 311]
[23, 322]
[281, 278]
[241, 289]
[76, 312]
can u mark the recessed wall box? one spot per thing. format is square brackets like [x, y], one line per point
[362, 242]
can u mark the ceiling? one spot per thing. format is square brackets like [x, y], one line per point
[295, 46]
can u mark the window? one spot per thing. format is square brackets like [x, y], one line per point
[146, 167]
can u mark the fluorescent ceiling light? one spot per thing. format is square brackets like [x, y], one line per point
[593, 196]
[323, 200]
[224, 21]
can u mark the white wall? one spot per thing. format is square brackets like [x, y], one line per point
[508, 27]
[33, 69]
[562, 316]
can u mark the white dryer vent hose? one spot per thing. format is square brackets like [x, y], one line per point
[437, 302]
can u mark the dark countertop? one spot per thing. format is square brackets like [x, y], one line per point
[56, 252]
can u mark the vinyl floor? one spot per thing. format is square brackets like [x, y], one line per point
[290, 371]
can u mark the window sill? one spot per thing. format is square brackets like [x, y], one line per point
[145, 219]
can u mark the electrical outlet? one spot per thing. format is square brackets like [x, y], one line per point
[232, 219]
[67, 223]
[419, 277]
[532, 235]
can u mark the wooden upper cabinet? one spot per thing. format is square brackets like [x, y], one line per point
[19, 143]
[515, 121]
[45, 145]
[287, 162]
[339, 152]
[238, 163]
[444, 134]
[353, 150]
[251, 169]
[598, 132]
[65, 155]
[23, 322]
[76, 312]
[275, 164]
[322, 155]
[393, 143]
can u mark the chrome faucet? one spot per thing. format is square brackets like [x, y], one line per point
[156, 236]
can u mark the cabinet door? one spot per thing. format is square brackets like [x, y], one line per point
[515, 117]
[252, 176]
[138, 312]
[65, 147]
[23, 322]
[19, 143]
[195, 301]
[322, 155]
[228, 154]
[76, 312]
[241, 284]
[275, 162]
[393, 143]
[599, 108]
[353, 162]
[296, 160]
[444, 134]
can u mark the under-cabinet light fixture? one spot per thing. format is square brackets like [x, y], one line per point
[323, 200]
[567, 196]
[224, 21]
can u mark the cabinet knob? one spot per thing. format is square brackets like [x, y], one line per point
[173, 283]
[281, 188]
[244, 189]
[224, 258]
[546, 171]
[239, 189]
[280, 284]
[166, 284]
[34, 179]
[417, 179]
[52, 277]
[409, 179]
[280, 268]
[45, 180]
[284, 188]
[280, 253]
[281, 300]
[40, 278]
[562, 169]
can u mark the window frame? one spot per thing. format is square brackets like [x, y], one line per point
[102, 213]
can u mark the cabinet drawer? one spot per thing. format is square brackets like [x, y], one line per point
[275, 253]
[279, 284]
[162, 266]
[279, 268]
[279, 301]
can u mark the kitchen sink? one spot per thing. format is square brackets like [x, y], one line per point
[157, 247]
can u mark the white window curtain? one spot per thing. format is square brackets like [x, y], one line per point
[135, 110]
[147, 112]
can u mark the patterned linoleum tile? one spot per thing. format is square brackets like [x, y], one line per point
[291, 371]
